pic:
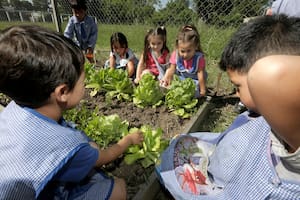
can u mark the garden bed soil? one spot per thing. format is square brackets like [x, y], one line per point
[135, 175]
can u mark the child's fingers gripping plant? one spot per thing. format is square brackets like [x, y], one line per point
[149, 153]
[105, 130]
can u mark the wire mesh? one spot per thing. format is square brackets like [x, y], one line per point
[221, 13]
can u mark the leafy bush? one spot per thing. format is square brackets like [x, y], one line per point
[151, 149]
[106, 130]
[114, 82]
[181, 97]
[148, 92]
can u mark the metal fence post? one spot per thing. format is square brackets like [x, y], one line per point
[57, 21]
[7, 15]
[21, 17]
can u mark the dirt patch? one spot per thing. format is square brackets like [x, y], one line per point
[135, 175]
[155, 117]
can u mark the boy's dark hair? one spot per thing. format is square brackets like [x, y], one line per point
[78, 4]
[34, 61]
[260, 37]
[120, 38]
[158, 31]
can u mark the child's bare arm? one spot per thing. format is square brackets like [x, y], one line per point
[112, 62]
[166, 81]
[140, 69]
[202, 83]
[113, 152]
[130, 67]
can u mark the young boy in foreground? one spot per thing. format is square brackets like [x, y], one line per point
[258, 156]
[42, 156]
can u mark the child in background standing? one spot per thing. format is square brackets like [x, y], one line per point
[121, 57]
[187, 60]
[42, 155]
[82, 28]
[155, 58]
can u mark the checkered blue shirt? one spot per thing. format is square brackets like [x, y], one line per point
[32, 150]
[241, 166]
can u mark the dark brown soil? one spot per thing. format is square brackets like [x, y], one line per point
[135, 175]
[155, 117]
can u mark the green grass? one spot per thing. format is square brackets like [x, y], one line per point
[7, 24]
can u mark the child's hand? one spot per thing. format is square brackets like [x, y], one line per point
[135, 137]
[136, 80]
[90, 55]
[202, 93]
[165, 83]
[89, 51]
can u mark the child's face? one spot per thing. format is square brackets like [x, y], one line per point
[117, 48]
[239, 80]
[186, 50]
[156, 43]
[77, 93]
[79, 14]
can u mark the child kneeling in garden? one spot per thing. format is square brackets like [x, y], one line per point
[42, 156]
[258, 156]
[121, 56]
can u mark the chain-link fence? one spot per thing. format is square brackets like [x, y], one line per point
[152, 12]
[218, 15]
[217, 19]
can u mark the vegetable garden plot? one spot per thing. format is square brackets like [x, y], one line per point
[114, 101]
[93, 109]
[136, 175]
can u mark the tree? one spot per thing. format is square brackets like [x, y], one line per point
[17, 4]
[176, 12]
[125, 12]
[40, 5]
[227, 12]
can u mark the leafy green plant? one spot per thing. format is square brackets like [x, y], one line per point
[180, 98]
[148, 92]
[80, 115]
[105, 130]
[114, 82]
[151, 149]
[90, 71]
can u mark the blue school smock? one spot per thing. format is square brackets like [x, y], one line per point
[33, 150]
[239, 167]
[184, 73]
